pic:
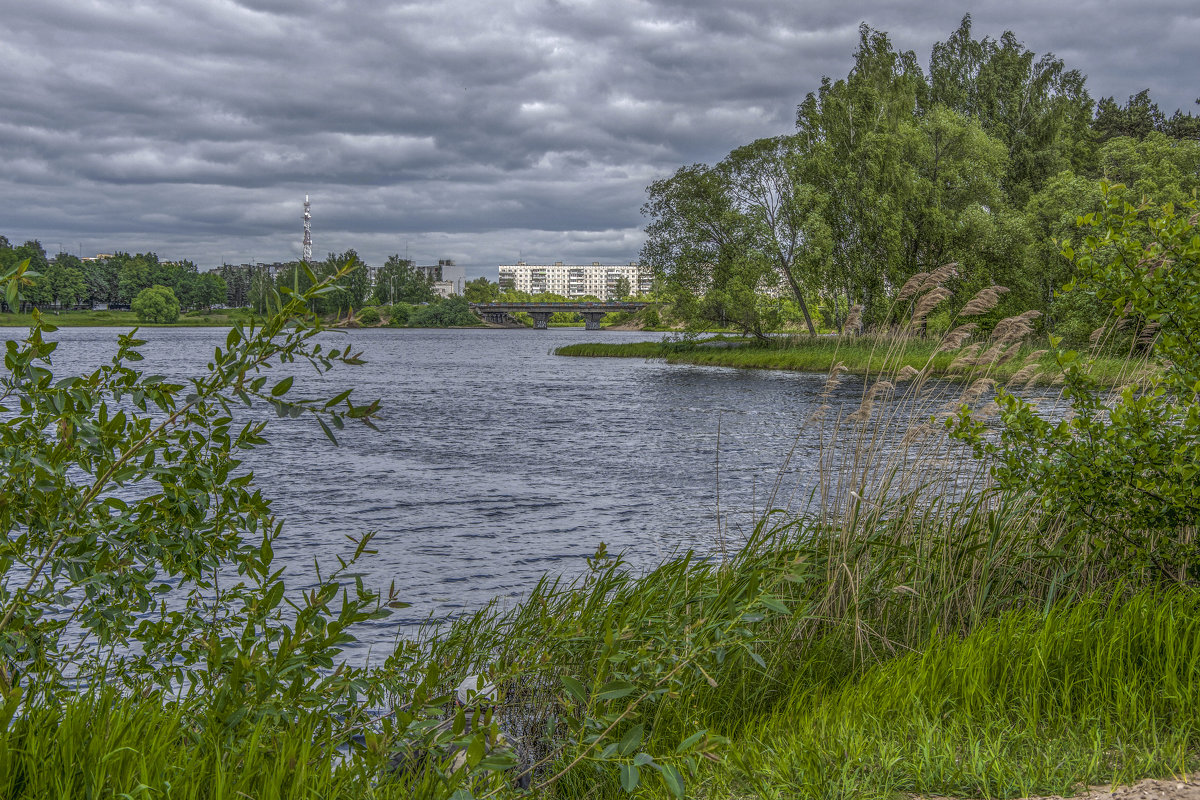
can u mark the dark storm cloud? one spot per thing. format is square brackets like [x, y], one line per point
[466, 129]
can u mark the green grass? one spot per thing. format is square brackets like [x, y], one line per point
[107, 745]
[128, 319]
[1093, 692]
[859, 356]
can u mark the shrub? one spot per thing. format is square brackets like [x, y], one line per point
[398, 315]
[1124, 470]
[156, 304]
[369, 316]
[447, 313]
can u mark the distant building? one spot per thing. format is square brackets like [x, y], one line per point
[574, 280]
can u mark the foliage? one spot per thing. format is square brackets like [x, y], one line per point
[399, 314]
[126, 506]
[369, 315]
[156, 304]
[397, 281]
[1122, 469]
[448, 312]
[481, 290]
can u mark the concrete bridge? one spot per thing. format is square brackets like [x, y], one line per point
[499, 313]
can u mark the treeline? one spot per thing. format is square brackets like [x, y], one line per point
[397, 281]
[66, 281]
[985, 160]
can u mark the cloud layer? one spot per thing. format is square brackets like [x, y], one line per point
[479, 131]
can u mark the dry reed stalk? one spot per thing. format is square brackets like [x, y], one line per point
[991, 355]
[929, 302]
[1148, 334]
[912, 286]
[976, 390]
[983, 301]
[907, 372]
[1033, 379]
[1096, 335]
[868, 403]
[834, 376]
[966, 358]
[1023, 374]
[854, 318]
[957, 337]
[940, 276]
[1012, 329]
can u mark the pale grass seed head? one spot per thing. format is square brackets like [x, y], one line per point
[912, 286]
[983, 301]
[957, 337]
[940, 276]
[966, 358]
[929, 302]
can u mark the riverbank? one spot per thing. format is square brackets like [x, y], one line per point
[857, 355]
[128, 319]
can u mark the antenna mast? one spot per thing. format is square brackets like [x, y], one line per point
[307, 231]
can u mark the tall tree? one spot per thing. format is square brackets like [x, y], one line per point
[700, 247]
[850, 133]
[1037, 107]
[784, 215]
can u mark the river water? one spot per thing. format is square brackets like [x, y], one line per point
[497, 462]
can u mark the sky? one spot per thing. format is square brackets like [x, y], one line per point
[482, 131]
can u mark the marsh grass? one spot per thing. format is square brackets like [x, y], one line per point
[860, 355]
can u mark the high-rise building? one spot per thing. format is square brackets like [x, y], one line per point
[574, 280]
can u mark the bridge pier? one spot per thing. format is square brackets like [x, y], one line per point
[591, 319]
[541, 319]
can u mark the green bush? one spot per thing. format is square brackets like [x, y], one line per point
[1122, 469]
[398, 314]
[369, 316]
[448, 313]
[156, 304]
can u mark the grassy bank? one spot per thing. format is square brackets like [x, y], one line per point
[860, 355]
[128, 319]
[1033, 701]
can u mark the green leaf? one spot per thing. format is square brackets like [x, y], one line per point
[774, 605]
[615, 690]
[631, 740]
[672, 780]
[576, 689]
[630, 775]
[282, 387]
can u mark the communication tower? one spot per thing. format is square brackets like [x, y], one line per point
[307, 231]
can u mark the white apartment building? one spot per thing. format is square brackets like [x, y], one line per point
[574, 280]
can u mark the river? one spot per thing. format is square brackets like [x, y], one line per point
[497, 462]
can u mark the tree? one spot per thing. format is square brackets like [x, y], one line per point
[481, 290]
[1138, 118]
[211, 290]
[156, 304]
[784, 213]
[850, 140]
[699, 246]
[622, 290]
[397, 281]
[1035, 106]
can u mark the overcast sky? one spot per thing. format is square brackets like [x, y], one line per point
[479, 130]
